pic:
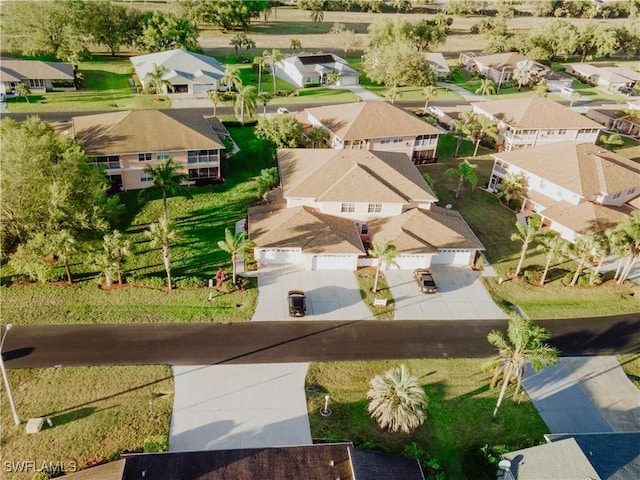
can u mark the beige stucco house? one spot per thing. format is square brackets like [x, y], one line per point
[38, 75]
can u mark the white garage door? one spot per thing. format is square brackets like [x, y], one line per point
[332, 262]
[348, 80]
[280, 255]
[411, 262]
[203, 87]
[452, 257]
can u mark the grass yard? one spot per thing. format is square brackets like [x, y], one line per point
[366, 278]
[631, 366]
[459, 411]
[97, 413]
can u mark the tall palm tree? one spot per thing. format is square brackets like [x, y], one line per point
[512, 187]
[573, 97]
[62, 244]
[231, 77]
[526, 235]
[392, 94]
[386, 253]
[161, 234]
[459, 130]
[466, 172]
[267, 180]
[117, 248]
[166, 177]
[627, 242]
[317, 136]
[216, 98]
[487, 87]
[271, 58]
[554, 247]
[265, 97]
[464, 127]
[398, 401]
[429, 92]
[317, 12]
[524, 343]
[235, 245]
[583, 248]
[601, 248]
[22, 90]
[245, 101]
[485, 127]
[259, 61]
[155, 79]
[295, 44]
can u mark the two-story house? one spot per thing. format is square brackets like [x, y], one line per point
[378, 126]
[529, 122]
[125, 142]
[334, 203]
[575, 187]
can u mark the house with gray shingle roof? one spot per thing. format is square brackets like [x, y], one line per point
[332, 204]
[188, 72]
[39, 76]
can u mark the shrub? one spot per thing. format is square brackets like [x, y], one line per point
[311, 84]
[156, 282]
[533, 276]
[481, 462]
[156, 443]
[374, 447]
[189, 282]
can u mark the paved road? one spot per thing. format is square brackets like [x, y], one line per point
[295, 341]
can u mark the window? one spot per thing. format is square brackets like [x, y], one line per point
[374, 208]
[562, 132]
[144, 157]
[348, 207]
[631, 191]
[146, 177]
[385, 140]
[616, 196]
[163, 156]
[109, 162]
[542, 183]
[397, 139]
[37, 83]
[364, 229]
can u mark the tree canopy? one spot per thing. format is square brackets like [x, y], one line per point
[164, 31]
[284, 131]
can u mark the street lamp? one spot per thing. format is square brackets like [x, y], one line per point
[12, 404]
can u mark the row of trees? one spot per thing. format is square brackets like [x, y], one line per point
[64, 28]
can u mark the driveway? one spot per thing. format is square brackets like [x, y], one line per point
[220, 407]
[461, 296]
[585, 395]
[331, 294]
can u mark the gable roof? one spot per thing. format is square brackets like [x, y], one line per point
[610, 74]
[351, 176]
[425, 231]
[320, 63]
[507, 60]
[585, 217]
[437, 60]
[305, 228]
[133, 131]
[13, 70]
[181, 65]
[355, 121]
[582, 168]
[535, 113]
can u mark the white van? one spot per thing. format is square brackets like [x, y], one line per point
[568, 92]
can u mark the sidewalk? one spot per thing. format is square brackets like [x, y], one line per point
[585, 395]
[464, 93]
[361, 92]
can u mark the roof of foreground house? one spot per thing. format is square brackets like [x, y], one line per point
[351, 176]
[133, 131]
[534, 113]
[425, 231]
[15, 70]
[586, 217]
[180, 65]
[582, 168]
[374, 119]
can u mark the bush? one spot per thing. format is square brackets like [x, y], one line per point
[533, 276]
[311, 84]
[481, 462]
[374, 447]
[155, 282]
[156, 443]
[189, 282]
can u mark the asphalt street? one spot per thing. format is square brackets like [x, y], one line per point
[296, 341]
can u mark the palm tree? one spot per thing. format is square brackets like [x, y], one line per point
[259, 61]
[601, 248]
[464, 127]
[524, 344]
[487, 87]
[429, 92]
[155, 79]
[317, 136]
[166, 177]
[162, 234]
[245, 101]
[105, 265]
[386, 253]
[267, 180]
[317, 12]
[466, 172]
[526, 235]
[117, 249]
[62, 244]
[231, 77]
[459, 130]
[392, 94]
[295, 44]
[627, 235]
[234, 245]
[22, 90]
[265, 97]
[512, 187]
[612, 142]
[583, 248]
[575, 95]
[333, 77]
[485, 127]
[554, 247]
[216, 98]
[398, 401]
[271, 58]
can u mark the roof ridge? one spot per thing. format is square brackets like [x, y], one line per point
[382, 180]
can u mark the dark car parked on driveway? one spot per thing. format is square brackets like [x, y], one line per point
[297, 303]
[425, 281]
[628, 91]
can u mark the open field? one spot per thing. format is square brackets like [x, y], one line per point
[459, 410]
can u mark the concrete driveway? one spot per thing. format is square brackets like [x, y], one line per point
[331, 294]
[461, 296]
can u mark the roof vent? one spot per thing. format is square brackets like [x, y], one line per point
[332, 463]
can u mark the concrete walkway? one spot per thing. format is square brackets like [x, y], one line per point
[463, 92]
[218, 407]
[361, 92]
[585, 395]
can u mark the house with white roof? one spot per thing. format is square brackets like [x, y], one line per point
[438, 63]
[188, 72]
[606, 78]
[575, 187]
[316, 69]
[332, 204]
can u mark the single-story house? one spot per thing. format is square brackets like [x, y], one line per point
[188, 72]
[499, 67]
[616, 118]
[575, 187]
[528, 122]
[318, 461]
[316, 69]
[39, 76]
[124, 143]
[440, 66]
[606, 78]
[332, 204]
[376, 126]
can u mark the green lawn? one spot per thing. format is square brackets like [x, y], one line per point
[631, 366]
[459, 411]
[366, 278]
[97, 413]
